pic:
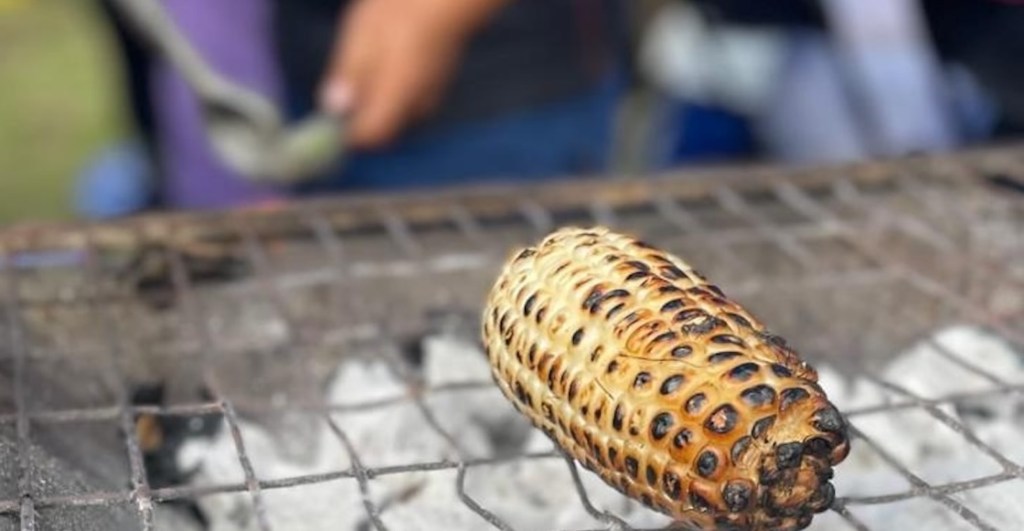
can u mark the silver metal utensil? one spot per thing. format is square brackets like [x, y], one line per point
[246, 129]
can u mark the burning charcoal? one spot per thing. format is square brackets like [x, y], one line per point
[161, 436]
[612, 369]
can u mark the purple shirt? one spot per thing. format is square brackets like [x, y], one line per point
[235, 38]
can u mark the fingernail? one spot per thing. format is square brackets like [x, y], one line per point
[336, 98]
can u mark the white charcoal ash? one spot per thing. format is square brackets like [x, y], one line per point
[393, 435]
[528, 494]
[539, 494]
[451, 360]
[533, 494]
[934, 368]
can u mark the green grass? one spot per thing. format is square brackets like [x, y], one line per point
[59, 103]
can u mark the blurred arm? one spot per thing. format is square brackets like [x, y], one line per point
[394, 58]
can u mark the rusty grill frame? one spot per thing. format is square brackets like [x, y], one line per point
[536, 206]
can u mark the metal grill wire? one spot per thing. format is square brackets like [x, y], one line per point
[789, 240]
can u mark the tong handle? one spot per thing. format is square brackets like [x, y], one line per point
[153, 23]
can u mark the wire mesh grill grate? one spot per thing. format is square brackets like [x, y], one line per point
[851, 264]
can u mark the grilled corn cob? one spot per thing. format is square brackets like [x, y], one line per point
[644, 372]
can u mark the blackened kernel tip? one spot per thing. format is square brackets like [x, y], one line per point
[671, 305]
[744, 371]
[577, 336]
[722, 420]
[631, 466]
[672, 384]
[641, 380]
[739, 448]
[721, 357]
[529, 304]
[776, 340]
[702, 327]
[673, 273]
[707, 463]
[682, 438]
[689, 315]
[788, 455]
[682, 351]
[761, 426]
[696, 403]
[618, 417]
[699, 503]
[768, 477]
[673, 488]
[637, 276]
[660, 425]
[665, 337]
[759, 395]
[520, 391]
[631, 318]
[503, 322]
[525, 253]
[593, 295]
[790, 396]
[829, 420]
[615, 310]
[728, 339]
[740, 320]
[636, 264]
[781, 370]
[736, 495]
[596, 298]
[818, 447]
[552, 376]
[651, 476]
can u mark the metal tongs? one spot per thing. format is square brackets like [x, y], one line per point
[245, 128]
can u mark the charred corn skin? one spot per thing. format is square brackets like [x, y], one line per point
[652, 378]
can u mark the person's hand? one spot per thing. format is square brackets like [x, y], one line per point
[393, 60]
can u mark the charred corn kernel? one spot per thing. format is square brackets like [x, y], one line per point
[649, 376]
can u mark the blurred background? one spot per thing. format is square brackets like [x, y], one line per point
[94, 124]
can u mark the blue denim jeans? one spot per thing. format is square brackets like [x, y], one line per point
[568, 138]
